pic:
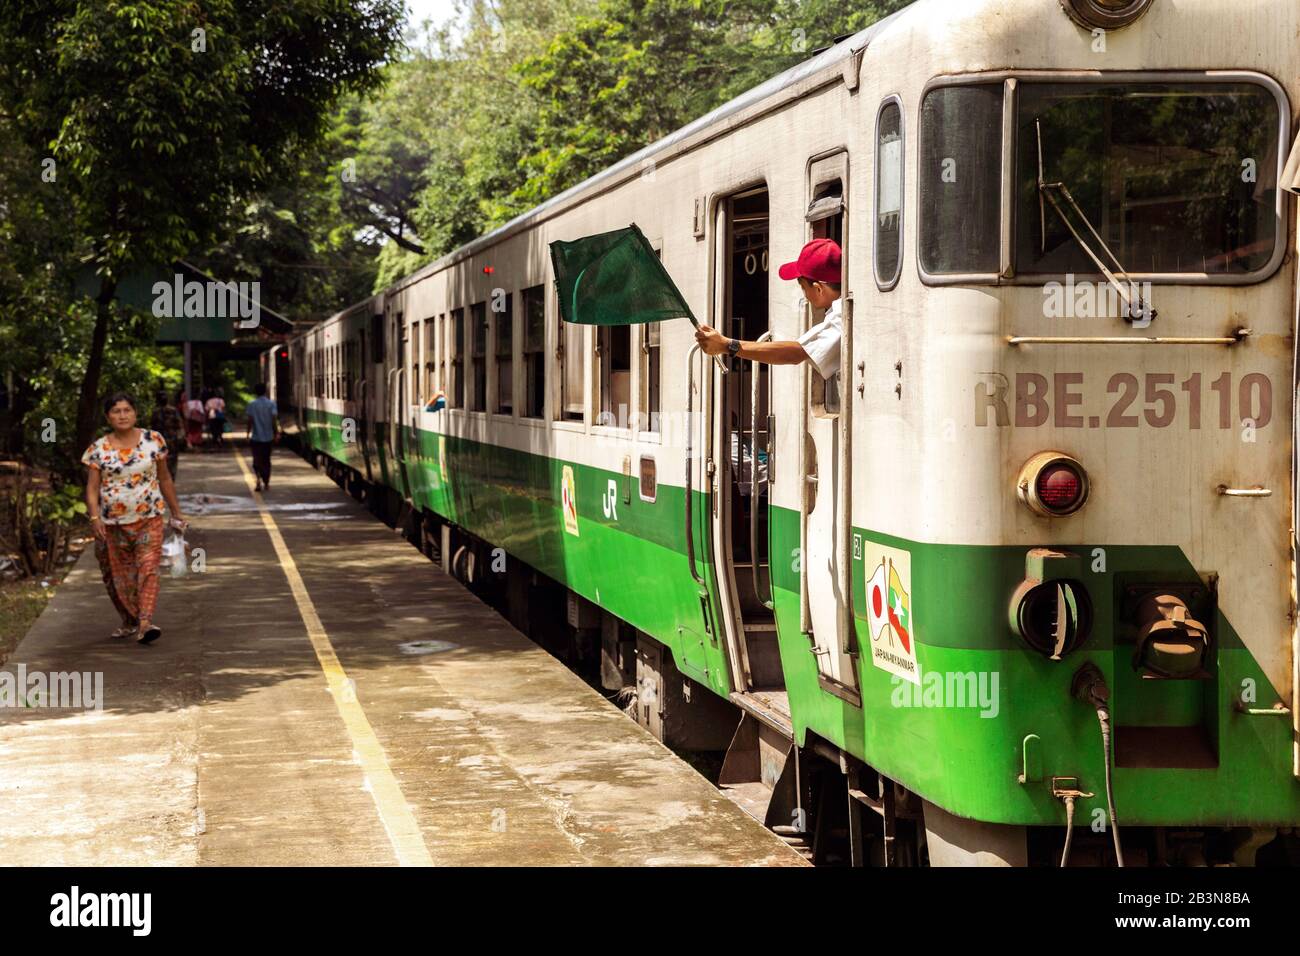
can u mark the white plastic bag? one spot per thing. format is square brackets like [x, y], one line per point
[174, 552]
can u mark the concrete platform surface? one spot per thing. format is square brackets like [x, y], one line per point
[324, 695]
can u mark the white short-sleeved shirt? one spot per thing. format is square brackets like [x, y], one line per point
[822, 342]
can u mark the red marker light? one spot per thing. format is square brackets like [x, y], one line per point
[1052, 484]
[1059, 487]
[488, 270]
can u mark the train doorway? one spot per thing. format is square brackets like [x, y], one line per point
[743, 412]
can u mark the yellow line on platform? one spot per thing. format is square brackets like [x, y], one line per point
[394, 812]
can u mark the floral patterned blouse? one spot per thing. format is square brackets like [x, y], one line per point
[128, 479]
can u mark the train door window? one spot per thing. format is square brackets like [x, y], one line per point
[430, 349]
[651, 376]
[960, 169]
[504, 334]
[614, 353]
[826, 212]
[573, 366]
[458, 358]
[889, 194]
[477, 378]
[826, 218]
[534, 352]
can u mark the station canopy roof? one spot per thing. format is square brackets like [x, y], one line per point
[193, 306]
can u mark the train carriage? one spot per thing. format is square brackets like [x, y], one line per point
[1030, 556]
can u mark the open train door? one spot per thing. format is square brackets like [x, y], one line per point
[396, 405]
[825, 455]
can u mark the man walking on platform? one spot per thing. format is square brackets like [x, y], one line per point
[263, 432]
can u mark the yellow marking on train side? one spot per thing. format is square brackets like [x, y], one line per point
[394, 812]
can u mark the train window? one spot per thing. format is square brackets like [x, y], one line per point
[614, 352]
[413, 380]
[377, 339]
[960, 170]
[505, 352]
[350, 361]
[457, 399]
[534, 352]
[1175, 177]
[441, 335]
[477, 377]
[651, 376]
[889, 194]
[573, 366]
[430, 351]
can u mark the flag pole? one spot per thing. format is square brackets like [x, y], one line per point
[718, 360]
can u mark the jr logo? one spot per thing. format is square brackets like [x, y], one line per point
[609, 500]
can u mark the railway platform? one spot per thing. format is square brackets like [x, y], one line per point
[323, 694]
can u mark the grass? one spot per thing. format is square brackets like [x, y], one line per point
[21, 603]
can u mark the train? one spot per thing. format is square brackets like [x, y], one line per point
[1018, 585]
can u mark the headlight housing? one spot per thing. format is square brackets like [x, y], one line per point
[1105, 14]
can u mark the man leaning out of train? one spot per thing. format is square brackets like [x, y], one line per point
[818, 272]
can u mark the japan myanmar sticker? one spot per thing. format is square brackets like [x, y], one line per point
[888, 612]
[569, 501]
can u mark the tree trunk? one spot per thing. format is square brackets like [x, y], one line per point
[87, 403]
[20, 403]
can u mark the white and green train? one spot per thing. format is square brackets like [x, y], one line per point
[1030, 556]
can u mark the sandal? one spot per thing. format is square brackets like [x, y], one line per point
[149, 634]
[126, 630]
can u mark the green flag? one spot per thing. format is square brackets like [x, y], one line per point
[614, 278]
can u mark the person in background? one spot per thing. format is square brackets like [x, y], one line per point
[216, 409]
[167, 421]
[195, 416]
[263, 432]
[125, 492]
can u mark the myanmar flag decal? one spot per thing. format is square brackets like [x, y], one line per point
[900, 618]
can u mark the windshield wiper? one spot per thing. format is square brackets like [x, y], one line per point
[1138, 312]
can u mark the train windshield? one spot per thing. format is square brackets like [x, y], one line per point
[1174, 178]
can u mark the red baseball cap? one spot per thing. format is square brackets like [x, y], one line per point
[819, 261]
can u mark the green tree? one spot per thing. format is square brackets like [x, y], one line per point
[161, 114]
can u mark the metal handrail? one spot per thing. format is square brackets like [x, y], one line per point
[770, 602]
[690, 484]
[1256, 492]
[1238, 336]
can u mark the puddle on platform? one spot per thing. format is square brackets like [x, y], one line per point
[234, 504]
[426, 647]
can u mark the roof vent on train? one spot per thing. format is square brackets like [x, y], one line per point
[1105, 14]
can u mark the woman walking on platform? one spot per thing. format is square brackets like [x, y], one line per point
[195, 416]
[125, 491]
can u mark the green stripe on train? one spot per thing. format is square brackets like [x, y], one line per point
[632, 563]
